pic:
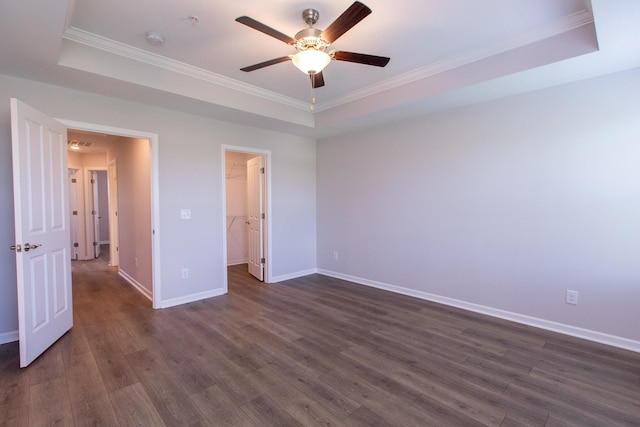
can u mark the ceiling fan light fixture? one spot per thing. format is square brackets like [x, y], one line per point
[311, 61]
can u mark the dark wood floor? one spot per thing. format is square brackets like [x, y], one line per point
[310, 351]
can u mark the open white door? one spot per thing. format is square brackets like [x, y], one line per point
[255, 190]
[43, 256]
[94, 213]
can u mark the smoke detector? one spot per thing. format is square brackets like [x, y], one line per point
[154, 39]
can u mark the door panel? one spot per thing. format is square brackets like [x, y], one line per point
[255, 189]
[94, 214]
[43, 256]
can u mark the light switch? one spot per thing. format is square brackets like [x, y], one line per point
[185, 213]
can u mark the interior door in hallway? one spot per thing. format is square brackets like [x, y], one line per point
[256, 215]
[42, 229]
[95, 213]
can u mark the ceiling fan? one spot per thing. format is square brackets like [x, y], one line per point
[311, 43]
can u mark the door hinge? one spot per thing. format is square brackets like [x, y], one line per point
[93, 213]
[75, 212]
[73, 180]
[75, 245]
[262, 215]
[262, 170]
[93, 181]
[95, 243]
[262, 260]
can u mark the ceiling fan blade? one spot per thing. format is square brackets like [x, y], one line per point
[250, 22]
[361, 58]
[317, 80]
[265, 64]
[349, 18]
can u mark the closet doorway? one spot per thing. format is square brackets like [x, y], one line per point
[246, 182]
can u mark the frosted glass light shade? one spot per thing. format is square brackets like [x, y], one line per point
[311, 61]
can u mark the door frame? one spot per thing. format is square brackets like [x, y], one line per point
[155, 199]
[114, 231]
[267, 201]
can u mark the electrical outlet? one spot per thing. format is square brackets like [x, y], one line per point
[572, 297]
[335, 255]
[136, 261]
[185, 273]
[185, 213]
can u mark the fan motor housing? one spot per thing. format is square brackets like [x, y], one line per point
[310, 38]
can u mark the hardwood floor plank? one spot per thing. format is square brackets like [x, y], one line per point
[622, 401]
[565, 394]
[559, 409]
[264, 411]
[14, 386]
[299, 377]
[114, 368]
[364, 417]
[217, 409]
[458, 395]
[134, 408]
[49, 404]
[163, 389]
[96, 411]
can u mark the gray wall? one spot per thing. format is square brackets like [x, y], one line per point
[190, 175]
[499, 207]
[133, 157]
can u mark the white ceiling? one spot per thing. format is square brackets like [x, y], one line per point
[444, 53]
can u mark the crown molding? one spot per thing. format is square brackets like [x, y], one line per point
[566, 24]
[108, 45]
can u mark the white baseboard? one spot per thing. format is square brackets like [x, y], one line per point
[7, 337]
[191, 298]
[573, 331]
[295, 275]
[237, 262]
[144, 291]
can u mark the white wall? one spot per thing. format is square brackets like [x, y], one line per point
[190, 176]
[499, 207]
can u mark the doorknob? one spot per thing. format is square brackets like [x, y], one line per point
[17, 248]
[27, 246]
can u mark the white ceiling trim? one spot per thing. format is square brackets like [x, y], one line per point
[568, 23]
[108, 45]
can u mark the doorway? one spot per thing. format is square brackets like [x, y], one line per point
[247, 211]
[89, 206]
[133, 160]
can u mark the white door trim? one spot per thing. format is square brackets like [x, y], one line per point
[223, 215]
[155, 197]
[114, 237]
